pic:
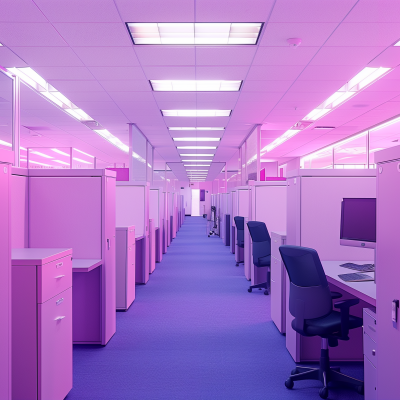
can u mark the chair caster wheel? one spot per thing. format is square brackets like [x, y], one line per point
[237, 264]
[249, 289]
[266, 293]
[289, 383]
[323, 393]
[360, 389]
[294, 372]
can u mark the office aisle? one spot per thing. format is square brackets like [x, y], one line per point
[194, 332]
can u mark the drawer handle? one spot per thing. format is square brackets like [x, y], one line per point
[372, 328]
[59, 277]
[373, 352]
[59, 301]
[59, 318]
[59, 265]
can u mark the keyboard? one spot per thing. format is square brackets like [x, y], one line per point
[355, 277]
[358, 267]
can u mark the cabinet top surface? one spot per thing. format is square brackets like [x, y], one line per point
[309, 173]
[85, 265]
[125, 228]
[37, 256]
[280, 234]
[363, 290]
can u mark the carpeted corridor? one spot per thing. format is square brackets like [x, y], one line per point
[194, 332]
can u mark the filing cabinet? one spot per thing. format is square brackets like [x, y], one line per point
[125, 266]
[41, 323]
[370, 353]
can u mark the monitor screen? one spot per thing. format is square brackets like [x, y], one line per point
[358, 220]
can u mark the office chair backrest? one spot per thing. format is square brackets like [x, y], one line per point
[239, 222]
[261, 240]
[309, 295]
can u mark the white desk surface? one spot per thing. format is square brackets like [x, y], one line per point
[85, 265]
[37, 256]
[139, 237]
[363, 290]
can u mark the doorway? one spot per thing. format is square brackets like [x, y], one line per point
[195, 203]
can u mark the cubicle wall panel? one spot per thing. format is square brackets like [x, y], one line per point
[154, 207]
[321, 199]
[121, 267]
[19, 211]
[293, 212]
[78, 226]
[5, 283]
[109, 276]
[243, 202]
[130, 206]
[270, 207]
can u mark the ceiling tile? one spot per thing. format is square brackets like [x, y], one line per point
[9, 59]
[235, 55]
[169, 55]
[284, 55]
[107, 56]
[48, 56]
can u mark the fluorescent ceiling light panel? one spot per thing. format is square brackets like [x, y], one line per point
[196, 170]
[39, 163]
[397, 43]
[38, 153]
[197, 147]
[196, 113]
[112, 139]
[82, 161]
[4, 143]
[195, 128]
[199, 33]
[196, 165]
[195, 86]
[355, 85]
[196, 160]
[197, 155]
[196, 139]
[86, 154]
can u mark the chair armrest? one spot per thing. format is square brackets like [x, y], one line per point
[344, 307]
[336, 295]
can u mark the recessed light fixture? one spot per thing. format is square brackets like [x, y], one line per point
[61, 152]
[196, 139]
[362, 80]
[195, 128]
[196, 170]
[86, 154]
[198, 33]
[4, 143]
[1, 44]
[112, 139]
[196, 113]
[197, 155]
[196, 165]
[61, 162]
[196, 160]
[195, 86]
[197, 147]
[397, 43]
[38, 153]
[324, 127]
[82, 161]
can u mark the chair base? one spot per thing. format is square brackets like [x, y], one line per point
[239, 262]
[324, 374]
[263, 285]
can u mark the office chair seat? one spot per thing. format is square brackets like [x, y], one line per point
[264, 261]
[324, 326]
[240, 243]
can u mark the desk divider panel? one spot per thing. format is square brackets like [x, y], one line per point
[243, 211]
[19, 208]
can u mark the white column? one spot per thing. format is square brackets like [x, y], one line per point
[16, 121]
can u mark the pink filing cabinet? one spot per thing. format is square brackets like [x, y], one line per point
[125, 266]
[278, 282]
[6, 158]
[76, 209]
[388, 273]
[41, 323]
[152, 246]
[370, 353]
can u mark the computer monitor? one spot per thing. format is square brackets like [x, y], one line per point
[358, 222]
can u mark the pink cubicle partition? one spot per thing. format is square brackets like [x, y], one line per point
[267, 204]
[313, 220]
[242, 193]
[76, 209]
[6, 158]
[132, 209]
[387, 273]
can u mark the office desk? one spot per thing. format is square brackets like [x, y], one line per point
[89, 295]
[304, 349]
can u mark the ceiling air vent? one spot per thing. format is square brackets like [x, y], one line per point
[92, 124]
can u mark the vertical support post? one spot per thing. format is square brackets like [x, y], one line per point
[226, 178]
[152, 164]
[95, 162]
[130, 153]
[258, 133]
[367, 150]
[70, 158]
[16, 128]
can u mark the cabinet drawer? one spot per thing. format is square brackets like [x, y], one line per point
[55, 347]
[369, 380]
[276, 269]
[370, 349]
[53, 278]
[276, 242]
[369, 322]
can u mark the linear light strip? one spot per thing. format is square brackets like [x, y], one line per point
[196, 139]
[355, 85]
[194, 128]
[195, 86]
[196, 113]
[197, 147]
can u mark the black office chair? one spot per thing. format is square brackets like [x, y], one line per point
[261, 251]
[310, 302]
[239, 222]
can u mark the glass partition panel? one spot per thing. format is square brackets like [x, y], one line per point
[149, 159]
[6, 111]
[351, 153]
[319, 159]
[383, 138]
[139, 154]
[251, 157]
[46, 158]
